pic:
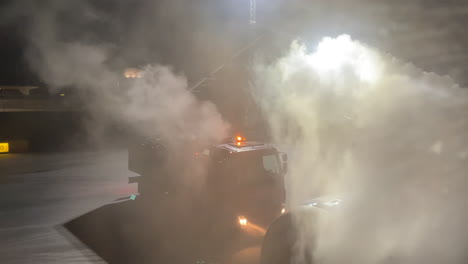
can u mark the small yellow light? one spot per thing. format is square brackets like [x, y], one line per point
[283, 210]
[4, 147]
[238, 143]
[242, 221]
[132, 73]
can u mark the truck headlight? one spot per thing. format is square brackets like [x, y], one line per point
[250, 228]
[242, 221]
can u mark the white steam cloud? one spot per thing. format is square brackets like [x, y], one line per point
[85, 46]
[158, 103]
[386, 136]
[156, 106]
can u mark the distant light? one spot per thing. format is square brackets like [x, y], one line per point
[4, 147]
[62, 94]
[242, 221]
[283, 210]
[132, 73]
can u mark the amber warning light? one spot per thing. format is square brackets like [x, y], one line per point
[240, 139]
[4, 148]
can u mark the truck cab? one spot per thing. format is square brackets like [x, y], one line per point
[245, 175]
[249, 179]
[243, 190]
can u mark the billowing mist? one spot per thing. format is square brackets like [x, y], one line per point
[381, 134]
[384, 136]
[70, 50]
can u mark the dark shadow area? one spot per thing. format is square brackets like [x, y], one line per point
[139, 231]
[132, 231]
[57, 131]
[117, 233]
[44, 131]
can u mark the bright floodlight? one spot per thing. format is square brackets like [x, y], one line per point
[333, 54]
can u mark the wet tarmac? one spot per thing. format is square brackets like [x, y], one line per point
[41, 192]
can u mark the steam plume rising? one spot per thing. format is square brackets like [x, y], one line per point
[156, 105]
[159, 103]
[387, 135]
[80, 51]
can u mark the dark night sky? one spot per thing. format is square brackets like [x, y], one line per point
[14, 69]
[195, 36]
[142, 31]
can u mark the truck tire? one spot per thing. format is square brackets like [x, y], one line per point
[278, 242]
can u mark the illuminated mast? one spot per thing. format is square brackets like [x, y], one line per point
[253, 12]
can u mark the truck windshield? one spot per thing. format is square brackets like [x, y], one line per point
[251, 167]
[271, 163]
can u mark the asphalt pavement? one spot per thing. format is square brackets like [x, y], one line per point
[40, 192]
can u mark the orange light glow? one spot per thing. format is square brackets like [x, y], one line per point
[238, 143]
[251, 228]
[242, 221]
[132, 73]
[255, 229]
[240, 138]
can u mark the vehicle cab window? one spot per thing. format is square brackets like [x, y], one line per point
[271, 164]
